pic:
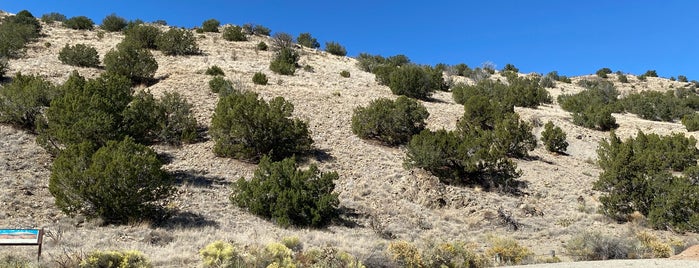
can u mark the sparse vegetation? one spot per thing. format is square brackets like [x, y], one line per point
[335, 49]
[246, 127]
[345, 73]
[287, 195]
[52, 17]
[691, 121]
[113, 23]
[210, 25]
[281, 41]
[79, 55]
[220, 85]
[176, 42]
[259, 78]
[79, 23]
[391, 122]
[234, 33]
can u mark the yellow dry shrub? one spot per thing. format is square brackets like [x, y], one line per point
[221, 254]
[405, 254]
[116, 259]
[657, 248]
[507, 251]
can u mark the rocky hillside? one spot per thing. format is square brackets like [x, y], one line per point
[380, 199]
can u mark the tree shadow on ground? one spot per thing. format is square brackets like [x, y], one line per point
[348, 217]
[197, 179]
[176, 219]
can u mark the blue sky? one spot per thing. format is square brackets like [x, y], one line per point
[572, 37]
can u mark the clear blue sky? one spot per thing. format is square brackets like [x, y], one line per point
[572, 37]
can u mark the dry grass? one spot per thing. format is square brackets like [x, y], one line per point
[386, 199]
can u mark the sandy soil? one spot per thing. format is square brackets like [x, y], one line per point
[558, 202]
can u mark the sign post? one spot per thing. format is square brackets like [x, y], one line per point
[22, 237]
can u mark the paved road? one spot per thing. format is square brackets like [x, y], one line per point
[643, 263]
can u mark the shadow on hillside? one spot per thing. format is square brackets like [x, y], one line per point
[185, 220]
[197, 178]
[348, 218]
[322, 155]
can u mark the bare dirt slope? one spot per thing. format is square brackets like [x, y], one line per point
[385, 199]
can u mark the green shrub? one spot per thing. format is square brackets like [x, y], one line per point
[285, 62]
[116, 259]
[514, 136]
[220, 85]
[593, 107]
[510, 68]
[462, 158]
[554, 138]
[22, 100]
[160, 22]
[306, 40]
[214, 70]
[691, 122]
[113, 23]
[143, 36]
[262, 46]
[16, 31]
[138, 64]
[79, 23]
[210, 25]
[659, 106]
[177, 123]
[177, 42]
[286, 195]
[25, 18]
[682, 78]
[411, 81]
[247, 127]
[250, 28]
[547, 81]
[650, 73]
[391, 122]
[85, 111]
[79, 55]
[234, 33]
[119, 182]
[345, 73]
[259, 78]
[636, 177]
[53, 16]
[602, 73]
[335, 49]
[521, 92]
[462, 69]
[167, 120]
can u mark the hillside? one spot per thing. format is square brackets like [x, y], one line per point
[379, 197]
